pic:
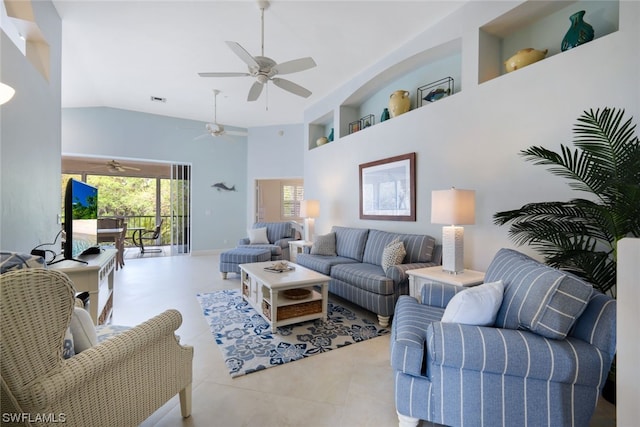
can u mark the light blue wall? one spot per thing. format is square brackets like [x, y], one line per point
[30, 141]
[126, 134]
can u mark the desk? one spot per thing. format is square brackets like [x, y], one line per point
[96, 277]
[116, 234]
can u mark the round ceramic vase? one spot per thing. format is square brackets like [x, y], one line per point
[579, 33]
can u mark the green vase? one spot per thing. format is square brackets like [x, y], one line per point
[330, 138]
[385, 115]
[579, 33]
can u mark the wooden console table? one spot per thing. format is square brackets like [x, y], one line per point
[96, 277]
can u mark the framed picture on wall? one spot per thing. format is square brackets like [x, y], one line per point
[388, 189]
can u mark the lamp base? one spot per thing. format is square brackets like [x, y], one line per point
[309, 229]
[453, 249]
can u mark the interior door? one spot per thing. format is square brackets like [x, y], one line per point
[271, 205]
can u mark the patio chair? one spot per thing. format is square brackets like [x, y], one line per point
[140, 236]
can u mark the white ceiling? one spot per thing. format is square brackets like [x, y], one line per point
[121, 53]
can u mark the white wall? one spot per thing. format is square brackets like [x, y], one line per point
[30, 141]
[125, 134]
[274, 152]
[471, 140]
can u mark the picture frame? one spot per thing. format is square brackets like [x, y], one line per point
[388, 189]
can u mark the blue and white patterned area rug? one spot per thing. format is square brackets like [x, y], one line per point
[248, 346]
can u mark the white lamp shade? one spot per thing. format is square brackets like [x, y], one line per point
[309, 209]
[454, 207]
[6, 93]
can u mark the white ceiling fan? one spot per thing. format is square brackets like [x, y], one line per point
[215, 129]
[264, 69]
[116, 166]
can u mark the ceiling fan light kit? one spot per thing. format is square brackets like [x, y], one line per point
[263, 69]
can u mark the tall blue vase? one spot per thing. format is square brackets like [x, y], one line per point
[579, 33]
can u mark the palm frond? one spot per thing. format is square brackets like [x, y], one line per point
[580, 235]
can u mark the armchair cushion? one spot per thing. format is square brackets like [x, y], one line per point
[537, 297]
[83, 330]
[475, 306]
[258, 236]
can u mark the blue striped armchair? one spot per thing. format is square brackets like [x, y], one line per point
[279, 235]
[544, 361]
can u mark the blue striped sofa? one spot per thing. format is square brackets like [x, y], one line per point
[356, 272]
[279, 234]
[543, 363]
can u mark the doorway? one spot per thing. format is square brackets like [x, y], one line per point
[278, 199]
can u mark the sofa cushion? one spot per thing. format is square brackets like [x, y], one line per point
[369, 277]
[392, 254]
[322, 264]
[537, 297]
[419, 247]
[475, 306]
[350, 242]
[324, 245]
[258, 236]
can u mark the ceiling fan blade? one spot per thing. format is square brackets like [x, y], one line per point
[204, 135]
[235, 133]
[295, 65]
[255, 91]
[232, 74]
[243, 54]
[129, 168]
[291, 87]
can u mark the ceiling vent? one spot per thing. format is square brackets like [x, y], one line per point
[158, 99]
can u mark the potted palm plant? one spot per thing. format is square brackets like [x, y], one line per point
[581, 235]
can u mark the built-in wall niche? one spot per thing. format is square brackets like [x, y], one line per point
[539, 25]
[417, 71]
[320, 127]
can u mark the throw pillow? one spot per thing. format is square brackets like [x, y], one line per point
[82, 329]
[258, 236]
[324, 245]
[475, 306]
[392, 254]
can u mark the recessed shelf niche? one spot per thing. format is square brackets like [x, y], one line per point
[539, 25]
[320, 127]
[428, 66]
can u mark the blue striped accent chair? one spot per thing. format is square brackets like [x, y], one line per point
[356, 271]
[279, 234]
[543, 363]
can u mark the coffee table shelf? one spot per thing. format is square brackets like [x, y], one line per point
[263, 291]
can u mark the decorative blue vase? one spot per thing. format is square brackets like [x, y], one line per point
[385, 115]
[579, 33]
[330, 138]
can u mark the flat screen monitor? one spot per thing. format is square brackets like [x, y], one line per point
[81, 218]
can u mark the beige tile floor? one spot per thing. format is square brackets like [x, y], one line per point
[351, 386]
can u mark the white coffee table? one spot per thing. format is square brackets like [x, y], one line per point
[265, 292]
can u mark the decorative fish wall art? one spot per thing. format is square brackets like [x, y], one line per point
[221, 186]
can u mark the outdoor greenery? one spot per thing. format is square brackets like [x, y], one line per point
[581, 235]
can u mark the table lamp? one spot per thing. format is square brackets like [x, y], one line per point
[309, 210]
[455, 207]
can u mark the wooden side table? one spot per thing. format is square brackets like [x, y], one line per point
[421, 276]
[297, 247]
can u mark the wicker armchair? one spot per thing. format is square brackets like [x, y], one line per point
[119, 382]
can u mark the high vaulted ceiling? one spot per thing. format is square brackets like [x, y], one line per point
[121, 53]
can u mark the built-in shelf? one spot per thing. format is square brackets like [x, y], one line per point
[320, 127]
[539, 25]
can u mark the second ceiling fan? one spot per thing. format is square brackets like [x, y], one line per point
[264, 69]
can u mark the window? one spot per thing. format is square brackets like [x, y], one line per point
[292, 195]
